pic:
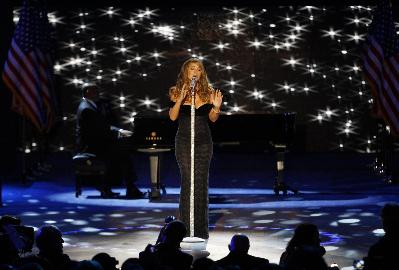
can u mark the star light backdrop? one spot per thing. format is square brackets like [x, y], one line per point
[273, 60]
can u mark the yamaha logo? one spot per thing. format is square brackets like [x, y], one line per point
[153, 137]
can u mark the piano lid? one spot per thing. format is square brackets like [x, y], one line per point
[154, 131]
[159, 131]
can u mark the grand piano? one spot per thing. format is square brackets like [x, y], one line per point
[155, 134]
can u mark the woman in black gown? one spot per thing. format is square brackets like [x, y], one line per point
[207, 106]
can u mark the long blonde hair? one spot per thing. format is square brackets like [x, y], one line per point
[202, 87]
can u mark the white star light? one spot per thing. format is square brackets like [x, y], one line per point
[347, 128]
[288, 45]
[165, 31]
[231, 83]
[110, 12]
[235, 11]
[286, 87]
[123, 50]
[76, 81]
[332, 33]
[357, 21]
[256, 43]
[274, 105]
[83, 27]
[75, 61]
[129, 118]
[292, 37]
[132, 22]
[235, 108]
[287, 19]
[276, 47]
[355, 68]
[329, 113]
[256, 94]
[137, 58]
[298, 28]
[252, 16]
[309, 8]
[199, 56]
[229, 67]
[312, 69]
[319, 118]
[355, 37]
[118, 72]
[72, 45]
[309, 89]
[58, 67]
[15, 16]
[292, 62]
[234, 27]
[220, 46]
[147, 102]
[53, 19]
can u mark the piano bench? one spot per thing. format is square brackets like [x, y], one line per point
[87, 166]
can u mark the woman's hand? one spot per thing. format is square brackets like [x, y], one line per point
[217, 99]
[183, 93]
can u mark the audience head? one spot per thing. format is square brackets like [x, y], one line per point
[174, 232]
[132, 264]
[49, 239]
[89, 265]
[6, 267]
[91, 91]
[31, 266]
[390, 218]
[204, 264]
[239, 244]
[107, 262]
[305, 234]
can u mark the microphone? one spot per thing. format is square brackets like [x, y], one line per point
[192, 85]
[193, 82]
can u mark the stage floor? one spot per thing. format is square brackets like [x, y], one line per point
[338, 192]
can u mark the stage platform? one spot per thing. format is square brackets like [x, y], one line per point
[338, 192]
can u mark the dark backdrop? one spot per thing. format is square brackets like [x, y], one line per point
[332, 106]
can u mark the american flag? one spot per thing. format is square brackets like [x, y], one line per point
[28, 70]
[381, 65]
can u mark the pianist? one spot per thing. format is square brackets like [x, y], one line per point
[96, 135]
[207, 106]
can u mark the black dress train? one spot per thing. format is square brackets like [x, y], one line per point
[203, 153]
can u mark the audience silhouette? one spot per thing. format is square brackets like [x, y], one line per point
[51, 255]
[132, 264]
[238, 256]
[89, 265]
[106, 261]
[205, 264]
[303, 251]
[383, 254]
[167, 252]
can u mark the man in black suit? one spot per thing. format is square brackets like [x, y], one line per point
[96, 135]
[238, 256]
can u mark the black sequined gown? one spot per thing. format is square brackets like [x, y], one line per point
[203, 154]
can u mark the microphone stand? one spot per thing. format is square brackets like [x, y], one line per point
[192, 156]
[193, 245]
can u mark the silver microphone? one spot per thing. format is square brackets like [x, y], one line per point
[193, 82]
[192, 85]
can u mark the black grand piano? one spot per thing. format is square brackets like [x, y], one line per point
[156, 134]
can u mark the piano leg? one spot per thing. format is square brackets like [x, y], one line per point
[155, 170]
[279, 184]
